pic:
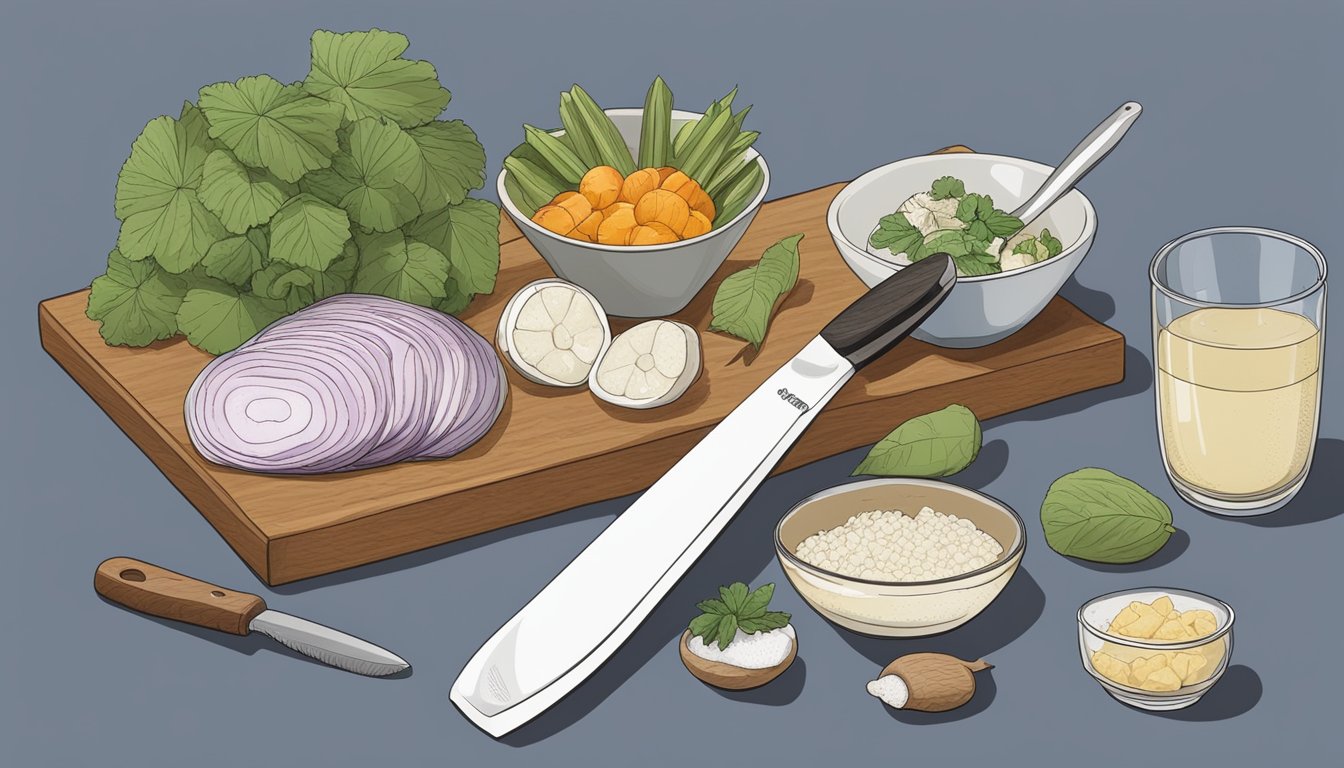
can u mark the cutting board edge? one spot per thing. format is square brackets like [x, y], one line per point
[162, 451]
[364, 540]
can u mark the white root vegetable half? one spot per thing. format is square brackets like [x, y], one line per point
[649, 365]
[553, 332]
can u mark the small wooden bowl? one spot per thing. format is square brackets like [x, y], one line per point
[728, 677]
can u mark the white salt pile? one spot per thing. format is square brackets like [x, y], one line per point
[759, 650]
[891, 689]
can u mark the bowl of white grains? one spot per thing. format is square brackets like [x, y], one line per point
[900, 557]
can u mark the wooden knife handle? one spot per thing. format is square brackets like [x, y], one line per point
[160, 592]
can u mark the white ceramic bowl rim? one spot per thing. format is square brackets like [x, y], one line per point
[1273, 234]
[1158, 646]
[1018, 546]
[632, 112]
[1089, 215]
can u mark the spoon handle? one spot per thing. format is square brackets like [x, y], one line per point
[1082, 159]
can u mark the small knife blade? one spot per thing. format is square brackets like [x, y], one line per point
[160, 592]
[546, 650]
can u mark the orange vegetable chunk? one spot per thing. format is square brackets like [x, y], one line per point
[601, 186]
[638, 184]
[664, 207]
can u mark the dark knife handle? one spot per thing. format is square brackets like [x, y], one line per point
[890, 310]
[160, 592]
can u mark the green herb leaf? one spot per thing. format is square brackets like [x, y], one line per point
[1095, 514]
[468, 234]
[456, 300]
[977, 264]
[307, 232]
[156, 199]
[1027, 246]
[291, 285]
[895, 233]
[734, 595]
[407, 270]
[713, 606]
[706, 626]
[979, 230]
[218, 317]
[936, 444]
[233, 259]
[272, 126]
[947, 186]
[1051, 243]
[765, 622]
[1002, 224]
[336, 278]
[754, 605]
[380, 156]
[452, 162]
[240, 196]
[727, 631]
[363, 73]
[136, 302]
[746, 299]
[953, 242]
[738, 607]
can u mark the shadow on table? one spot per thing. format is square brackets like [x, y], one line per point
[1235, 694]
[778, 692]
[1138, 378]
[1007, 618]
[1099, 305]
[433, 554]
[740, 553]
[988, 465]
[1174, 548]
[1319, 498]
[1011, 614]
[247, 645]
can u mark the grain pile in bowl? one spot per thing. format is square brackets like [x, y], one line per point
[888, 545]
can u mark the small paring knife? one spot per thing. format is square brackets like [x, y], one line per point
[160, 592]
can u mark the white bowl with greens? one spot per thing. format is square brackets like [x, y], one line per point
[933, 203]
[640, 280]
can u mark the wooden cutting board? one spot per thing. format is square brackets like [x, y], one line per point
[555, 449]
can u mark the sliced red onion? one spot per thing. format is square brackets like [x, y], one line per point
[351, 382]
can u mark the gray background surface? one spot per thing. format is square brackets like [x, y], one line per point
[1242, 122]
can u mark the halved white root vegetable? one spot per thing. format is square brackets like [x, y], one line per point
[649, 365]
[553, 332]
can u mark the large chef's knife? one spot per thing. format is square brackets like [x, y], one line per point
[160, 592]
[586, 612]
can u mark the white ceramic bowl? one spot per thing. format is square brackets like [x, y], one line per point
[642, 280]
[907, 608]
[1094, 620]
[980, 310]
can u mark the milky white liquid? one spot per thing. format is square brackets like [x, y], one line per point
[1237, 394]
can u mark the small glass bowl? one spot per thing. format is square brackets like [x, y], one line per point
[907, 608]
[1094, 619]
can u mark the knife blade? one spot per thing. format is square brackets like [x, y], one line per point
[544, 651]
[160, 592]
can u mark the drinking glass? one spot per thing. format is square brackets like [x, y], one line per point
[1238, 339]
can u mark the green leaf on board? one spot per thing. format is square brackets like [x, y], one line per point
[218, 317]
[135, 301]
[746, 299]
